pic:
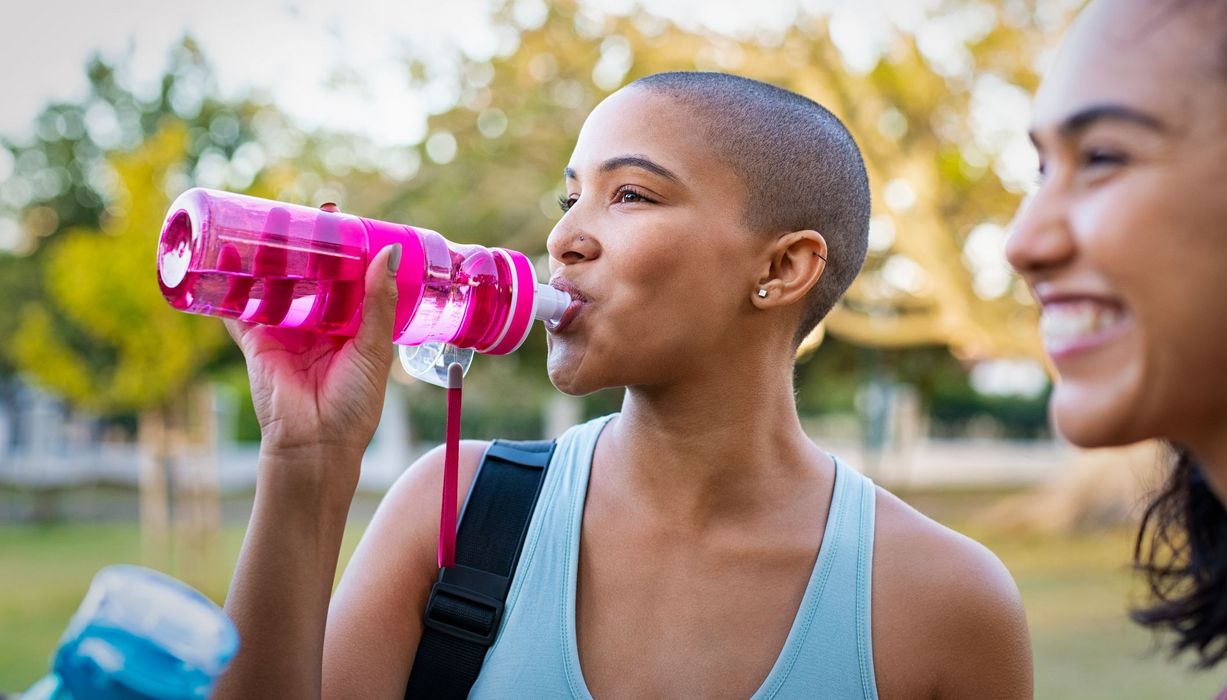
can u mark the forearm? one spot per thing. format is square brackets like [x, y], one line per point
[282, 583]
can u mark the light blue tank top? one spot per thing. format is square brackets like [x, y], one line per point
[828, 652]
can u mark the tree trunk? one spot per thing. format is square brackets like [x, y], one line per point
[197, 504]
[154, 505]
[179, 493]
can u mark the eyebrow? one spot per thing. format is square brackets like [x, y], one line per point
[1082, 120]
[629, 161]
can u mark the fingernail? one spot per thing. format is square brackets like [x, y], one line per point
[394, 259]
[329, 207]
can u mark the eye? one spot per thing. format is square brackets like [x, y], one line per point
[1102, 158]
[566, 201]
[628, 195]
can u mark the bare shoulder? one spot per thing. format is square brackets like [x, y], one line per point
[932, 559]
[947, 616]
[374, 620]
[408, 517]
[418, 488]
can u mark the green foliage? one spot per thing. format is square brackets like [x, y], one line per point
[517, 116]
[513, 122]
[20, 284]
[102, 284]
[955, 408]
[86, 319]
[829, 379]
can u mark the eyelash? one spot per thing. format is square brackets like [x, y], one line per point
[1096, 157]
[1090, 158]
[627, 189]
[565, 202]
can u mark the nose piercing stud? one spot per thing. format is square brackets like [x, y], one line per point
[762, 293]
[581, 238]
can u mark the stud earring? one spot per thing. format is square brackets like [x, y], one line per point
[762, 292]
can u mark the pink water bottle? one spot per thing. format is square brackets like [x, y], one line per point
[230, 255]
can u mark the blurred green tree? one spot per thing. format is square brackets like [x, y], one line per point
[86, 319]
[90, 186]
[489, 171]
[136, 352]
[491, 164]
[86, 172]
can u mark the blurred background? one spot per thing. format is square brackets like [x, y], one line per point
[126, 431]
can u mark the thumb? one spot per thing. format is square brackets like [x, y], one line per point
[374, 337]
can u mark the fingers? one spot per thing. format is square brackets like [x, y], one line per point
[237, 329]
[374, 338]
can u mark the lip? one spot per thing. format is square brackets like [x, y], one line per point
[578, 301]
[1069, 350]
[1073, 349]
[1047, 296]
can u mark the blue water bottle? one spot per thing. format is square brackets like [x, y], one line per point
[139, 635]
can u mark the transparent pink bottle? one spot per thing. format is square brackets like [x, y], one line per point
[230, 255]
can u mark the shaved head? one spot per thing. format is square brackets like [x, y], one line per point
[801, 168]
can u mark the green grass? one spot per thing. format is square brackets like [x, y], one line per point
[44, 572]
[46, 569]
[1076, 591]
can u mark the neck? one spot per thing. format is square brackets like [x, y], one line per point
[707, 446]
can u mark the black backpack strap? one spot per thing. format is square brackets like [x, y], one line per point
[466, 604]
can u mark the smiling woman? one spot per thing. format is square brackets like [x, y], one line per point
[1125, 247]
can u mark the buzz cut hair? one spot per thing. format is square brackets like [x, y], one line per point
[800, 165]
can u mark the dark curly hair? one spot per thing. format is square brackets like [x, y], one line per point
[1181, 549]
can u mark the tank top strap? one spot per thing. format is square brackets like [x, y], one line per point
[534, 651]
[865, 500]
[829, 650]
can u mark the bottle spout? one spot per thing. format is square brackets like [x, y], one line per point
[550, 303]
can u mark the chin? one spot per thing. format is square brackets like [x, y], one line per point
[568, 378]
[580, 370]
[570, 387]
[1097, 417]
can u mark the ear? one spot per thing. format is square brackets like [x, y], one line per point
[797, 261]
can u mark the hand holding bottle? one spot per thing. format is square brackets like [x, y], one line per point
[323, 394]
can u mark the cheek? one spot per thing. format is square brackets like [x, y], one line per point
[1116, 221]
[1157, 245]
[1139, 241]
[689, 303]
[1186, 360]
[684, 275]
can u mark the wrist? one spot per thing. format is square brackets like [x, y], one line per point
[308, 453]
[300, 439]
[310, 470]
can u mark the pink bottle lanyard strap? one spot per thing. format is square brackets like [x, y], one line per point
[451, 468]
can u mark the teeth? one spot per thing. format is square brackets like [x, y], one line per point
[1067, 323]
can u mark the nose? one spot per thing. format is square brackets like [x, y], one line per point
[1041, 238]
[570, 243]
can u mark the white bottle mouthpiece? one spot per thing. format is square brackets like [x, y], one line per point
[550, 303]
